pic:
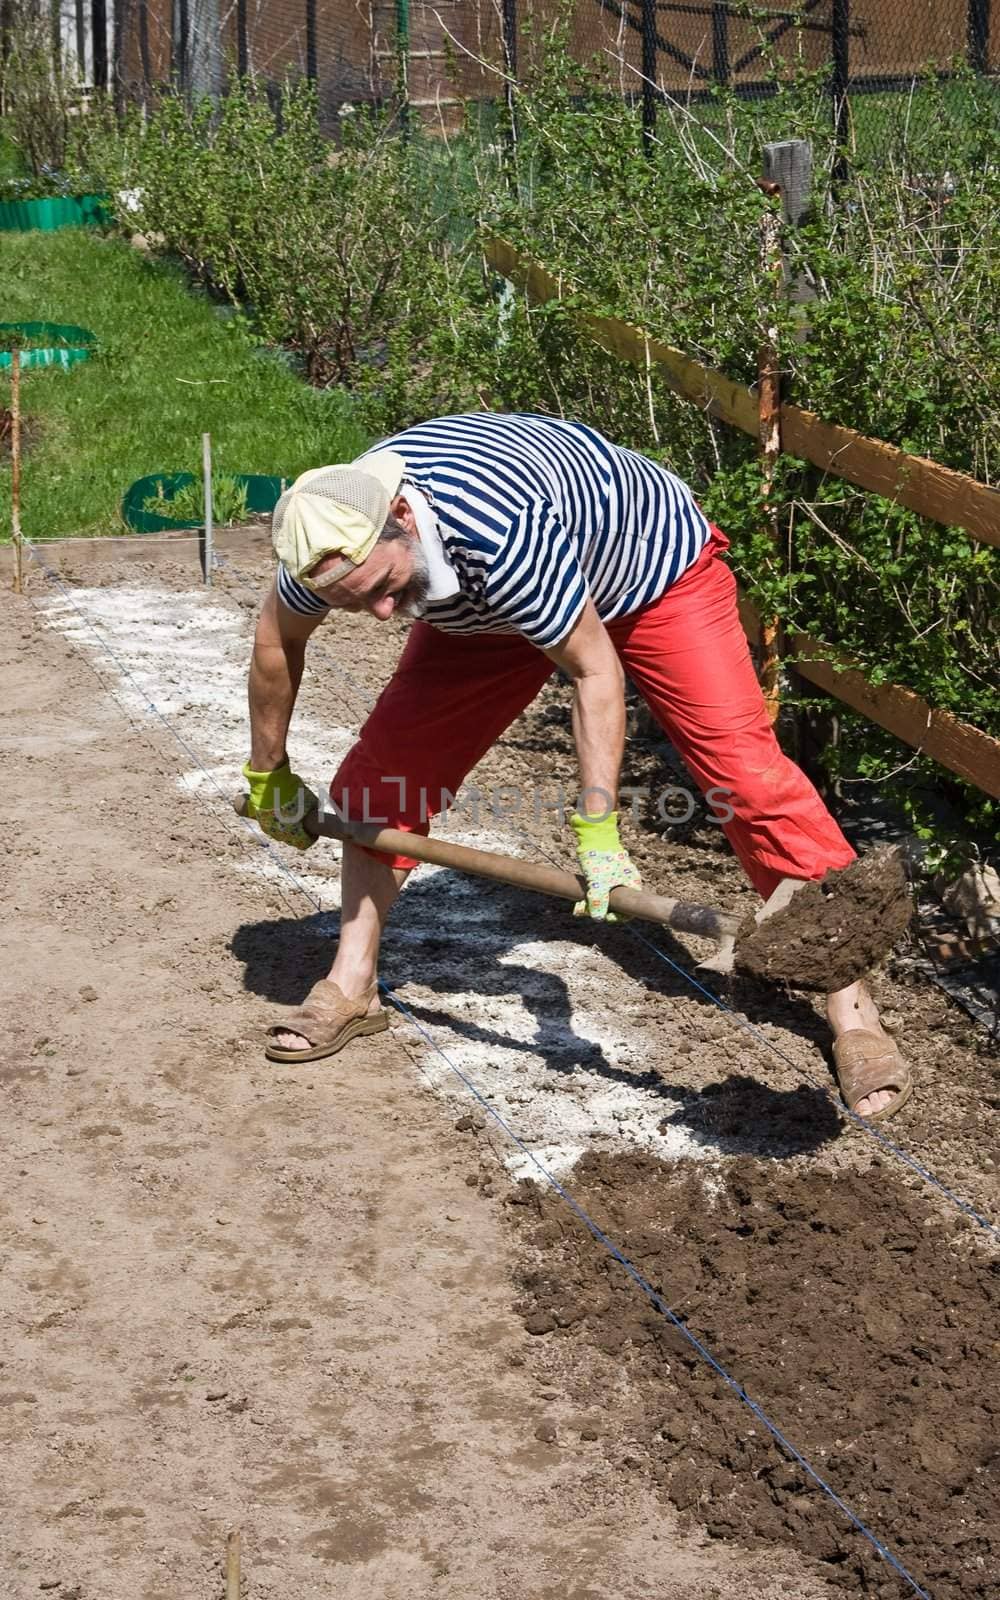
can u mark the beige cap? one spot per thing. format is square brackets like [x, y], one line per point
[335, 511]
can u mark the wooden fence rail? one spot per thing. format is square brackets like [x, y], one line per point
[914, 481]
[957, 745]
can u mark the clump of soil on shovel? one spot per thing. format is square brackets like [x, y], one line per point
[832, 932]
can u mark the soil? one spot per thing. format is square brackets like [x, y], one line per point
[832, 932]
[843, 1304]
[297, 1302]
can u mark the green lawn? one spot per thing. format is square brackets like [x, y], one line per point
[169, 369]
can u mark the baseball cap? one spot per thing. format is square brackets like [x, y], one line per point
[339, 510]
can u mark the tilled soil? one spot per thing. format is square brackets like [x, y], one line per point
[281, 1300]
[851, 1311]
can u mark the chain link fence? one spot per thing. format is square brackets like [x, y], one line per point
[439, 57]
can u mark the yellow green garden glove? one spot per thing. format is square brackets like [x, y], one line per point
[277, 794]
[604, 864]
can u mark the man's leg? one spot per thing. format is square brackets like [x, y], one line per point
[368, 890]
[689, 657]
[448, 701]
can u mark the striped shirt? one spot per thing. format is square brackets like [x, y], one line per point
[535, 515]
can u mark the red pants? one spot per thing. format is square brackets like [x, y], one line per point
[451, 697]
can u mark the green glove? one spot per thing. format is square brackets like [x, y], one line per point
[604, 863]
[275, 793]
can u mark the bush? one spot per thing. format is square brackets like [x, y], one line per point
[32, 92]
[901, 341]
[348, 257]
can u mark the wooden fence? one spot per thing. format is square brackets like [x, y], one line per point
[914, 481]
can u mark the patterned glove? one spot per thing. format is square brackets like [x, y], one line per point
[604, 863]
[276, 795]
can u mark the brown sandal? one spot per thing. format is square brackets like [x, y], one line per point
[328, 1019]
[865, 1062]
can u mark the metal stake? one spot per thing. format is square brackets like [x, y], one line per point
[206, 545]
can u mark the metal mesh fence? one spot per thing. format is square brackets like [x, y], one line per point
[442, 56]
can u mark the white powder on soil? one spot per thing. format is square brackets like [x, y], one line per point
[527, 1021]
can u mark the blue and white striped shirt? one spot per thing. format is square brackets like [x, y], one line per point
[535, 514]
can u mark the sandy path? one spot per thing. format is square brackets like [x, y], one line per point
[235, 1297]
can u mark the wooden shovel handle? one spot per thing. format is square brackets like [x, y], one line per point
[682, 915]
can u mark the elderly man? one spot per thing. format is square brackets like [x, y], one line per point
[522, 544]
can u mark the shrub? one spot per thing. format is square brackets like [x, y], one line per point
[901, 341]
[32, 92]
[348, 257]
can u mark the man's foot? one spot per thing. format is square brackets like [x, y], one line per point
[852, 1010]
[332, 1018]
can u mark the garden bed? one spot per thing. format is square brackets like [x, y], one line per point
[289, 1301]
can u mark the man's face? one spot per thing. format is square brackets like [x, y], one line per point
[393, 578]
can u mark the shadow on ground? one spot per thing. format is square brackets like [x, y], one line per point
[456, 936]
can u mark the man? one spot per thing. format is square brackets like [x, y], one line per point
[526, 543]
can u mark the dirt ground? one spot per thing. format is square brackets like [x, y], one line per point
[325, 1307]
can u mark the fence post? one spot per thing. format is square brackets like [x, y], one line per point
[788, 175]
[788, 163]
[979, 35]
[403, 62]
[720, 43]
[181, 42]
[840, 35]
[204, 48]
[242, 51]
[15, 464]
[80, 29]
[311, 41]
[142, 18]
[648, 69]
[99, 38]
[769, 430]
[120, 20]
[508, 25]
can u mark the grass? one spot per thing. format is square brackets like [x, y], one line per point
[229, 501]
[169, 369]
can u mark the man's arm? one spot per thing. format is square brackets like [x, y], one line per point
[279, 654]
[590, 659]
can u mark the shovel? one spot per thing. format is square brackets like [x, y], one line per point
[821, 935]
[681, 915]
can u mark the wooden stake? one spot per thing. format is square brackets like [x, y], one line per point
[769, 436]
[232, 1554]
[207, 556]
[788, 163]
[15, 466]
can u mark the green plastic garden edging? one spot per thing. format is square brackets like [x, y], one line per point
[263, 494]
[54, 211]
[70, 343]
